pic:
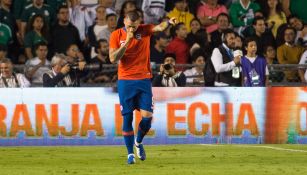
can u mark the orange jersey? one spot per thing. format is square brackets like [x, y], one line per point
[135, 64]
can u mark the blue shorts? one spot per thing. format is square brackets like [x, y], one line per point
[135, 94]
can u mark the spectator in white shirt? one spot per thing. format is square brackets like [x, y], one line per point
[109, 28]
[36, 67]
[195, 75]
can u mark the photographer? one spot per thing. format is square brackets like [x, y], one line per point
[75, 60]
[58, 75]
[168, 76]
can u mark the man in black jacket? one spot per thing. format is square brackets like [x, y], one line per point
[58, 75]
[63, 33]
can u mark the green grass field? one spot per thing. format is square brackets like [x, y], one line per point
[172, 159]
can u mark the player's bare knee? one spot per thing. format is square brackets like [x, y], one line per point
[146, 114]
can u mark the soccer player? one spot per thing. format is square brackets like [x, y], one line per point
[130, 47]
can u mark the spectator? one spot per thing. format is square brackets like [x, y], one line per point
[295, 7]
[303, 72]
[290, 53]
[37, 31]
[254, 67]
[168, 76]
[7, 17]
[108, 4]
[63, 34]
[195, 75]
[270, 56]
[36, 67]
[37, 7]
[195, 26]
[181, 13]
[301, 36]
[58, 75]
[263, 36]
[223, 22]
[18, 7]
[55, 4]
[5, 34]
[95, 29]
[153, 11]
[102, 58]
[224, 62]
[208, 12]
[157, 50]
[105, 33]
[127, 6]
[178, 45]
[242, 13]
[80, 17]
[201, 41]
[274, 15]
[238, 42]
[3, 51]
[76, 61]
[10, 79]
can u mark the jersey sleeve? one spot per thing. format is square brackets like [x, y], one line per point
[148, 29]
[114, 40]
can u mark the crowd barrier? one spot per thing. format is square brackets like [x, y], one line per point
[91, 116]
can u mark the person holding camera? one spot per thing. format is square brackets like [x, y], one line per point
[75, 60]
[58, 75]
[168, 76]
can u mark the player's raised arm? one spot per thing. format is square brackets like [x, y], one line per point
[163, 25]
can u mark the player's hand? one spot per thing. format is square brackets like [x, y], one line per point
[173, 21]
[130, 35]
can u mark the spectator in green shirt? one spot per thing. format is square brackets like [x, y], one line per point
[55, 4]
[37, 7]
[18, 7]
[5, 34]
[242, 13]
[37, 31]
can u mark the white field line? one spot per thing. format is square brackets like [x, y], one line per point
[261, 146]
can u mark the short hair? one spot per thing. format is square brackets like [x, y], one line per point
[291, 17]
[227, 32]
[197, 53]
[132, 15]
[195, 19]
[169, 55]
[61, 7]
[111, 15]
[39, 44]
[97, 45]
[248, 40]
[290, 28]
[57, 58]
[6, 61]
[223, 14]
[258, 18]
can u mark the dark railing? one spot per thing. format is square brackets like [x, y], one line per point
[276, 69]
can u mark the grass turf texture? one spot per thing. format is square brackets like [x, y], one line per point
[171, 159]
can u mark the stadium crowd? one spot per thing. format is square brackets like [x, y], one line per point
[60, 43]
